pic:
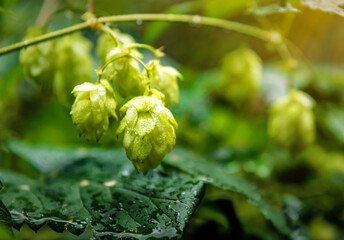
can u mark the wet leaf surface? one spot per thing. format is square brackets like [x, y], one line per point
[5, 221]
[99, 189]
[214, 174]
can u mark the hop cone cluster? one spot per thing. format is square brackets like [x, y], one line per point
[93, 106]
[291, 121]
[148, 132]
[242, 70]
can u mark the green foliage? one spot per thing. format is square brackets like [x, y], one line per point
[240, 97]
[5, 221]
[214, 174]
[99, 190]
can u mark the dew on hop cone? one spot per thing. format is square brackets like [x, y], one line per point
[73, 65]
[148, 131]
[242, 70]
[38, 60]
[291, 121]
[165, 80]
[93, 106]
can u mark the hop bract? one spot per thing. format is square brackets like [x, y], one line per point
[242, 70]
[38, 60]
[73, 65]
[105, 43]
[165, 79]
[125, 73]
[93, 106]
[148, 130]
[291, 121]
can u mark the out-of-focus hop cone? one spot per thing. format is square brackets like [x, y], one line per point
[242, 71]
[291, 120]
[38, 60]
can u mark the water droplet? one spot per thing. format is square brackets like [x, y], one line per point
[101, 91]
[139, 21]
[125, 172]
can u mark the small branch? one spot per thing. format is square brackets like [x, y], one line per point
[44, 37]
[90, 6]
[157, 53]
[112, 34]
[268, 36]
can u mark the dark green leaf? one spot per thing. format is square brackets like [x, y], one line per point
[100, 189]
[5, 221]
[216, 175]
[46, 158]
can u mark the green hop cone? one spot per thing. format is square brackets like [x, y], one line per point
[242, 70]
[125, 73]
[73, 65]
[105, 43]
[164, 79]
[291, 120]
[38, 60]
[148, 130]
[93, 106]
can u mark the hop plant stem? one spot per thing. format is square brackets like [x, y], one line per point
[264, 35]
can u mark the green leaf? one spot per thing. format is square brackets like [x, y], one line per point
[5, 221]
[47, 158]
[216, 175]
[99, 189]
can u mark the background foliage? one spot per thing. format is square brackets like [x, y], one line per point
[226, 177]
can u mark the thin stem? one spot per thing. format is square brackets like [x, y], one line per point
[114, 58]
[112, 34]
[122, 55]
[141, 62]
[193, 19]
[44, 37]
[157, 53]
